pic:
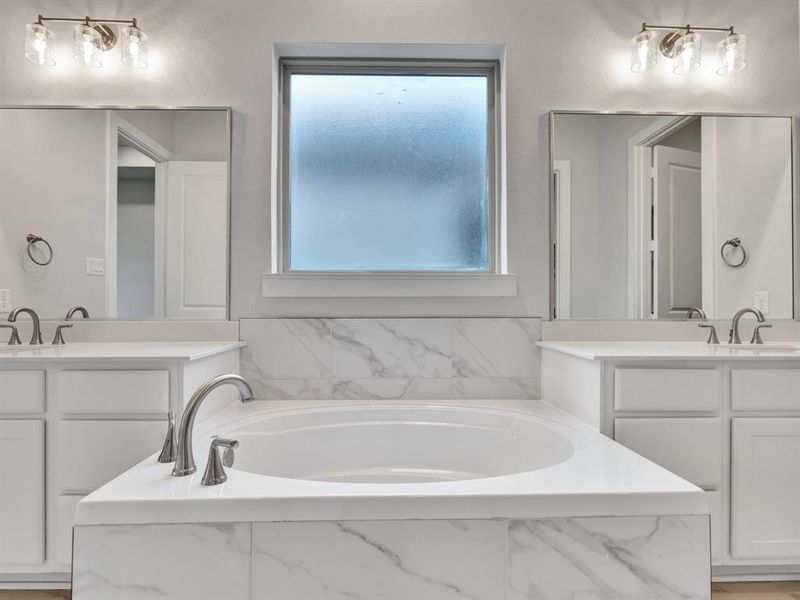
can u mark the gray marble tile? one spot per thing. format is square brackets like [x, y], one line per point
[144, 562]
[610, 558]
[379, 560]
[392, 358]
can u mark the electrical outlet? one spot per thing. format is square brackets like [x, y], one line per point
[761, 302]
[5, 300]
[95, 266]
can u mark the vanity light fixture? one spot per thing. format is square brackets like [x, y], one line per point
[90, 39]
[685, 46]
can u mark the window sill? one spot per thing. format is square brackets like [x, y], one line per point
[388, 285]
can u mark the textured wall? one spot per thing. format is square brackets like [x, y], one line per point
[562, 54]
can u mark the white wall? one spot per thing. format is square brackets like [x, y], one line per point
[53, 184]
[560, 55]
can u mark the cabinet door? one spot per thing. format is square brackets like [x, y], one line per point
[765, 482]
[21, 492]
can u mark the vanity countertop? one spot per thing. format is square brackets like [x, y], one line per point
[675, 350]
[76, 351]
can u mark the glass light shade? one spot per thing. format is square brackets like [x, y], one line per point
[134, 47]
[86, 42]
[688, 53]
[39, 44]
[643, 52]
[731, 52]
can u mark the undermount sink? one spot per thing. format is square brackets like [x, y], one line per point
[761, 347]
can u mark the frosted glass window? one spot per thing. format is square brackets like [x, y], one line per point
[388, 172]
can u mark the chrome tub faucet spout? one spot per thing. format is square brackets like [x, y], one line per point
[184, 462]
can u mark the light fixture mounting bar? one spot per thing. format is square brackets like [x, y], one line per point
[686, 27]
[42, 19]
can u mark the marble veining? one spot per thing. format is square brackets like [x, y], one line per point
[584, 558]
[402, 358]
[641, 558]
[379, 560]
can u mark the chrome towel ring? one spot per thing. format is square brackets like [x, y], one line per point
[32, 241]
[733, 243]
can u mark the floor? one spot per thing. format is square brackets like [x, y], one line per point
[778, 590]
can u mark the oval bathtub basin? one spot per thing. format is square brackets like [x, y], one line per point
[398, 445]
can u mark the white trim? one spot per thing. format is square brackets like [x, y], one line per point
[563, 273]
[117, 126]
[388, 285]
[160, 242]
[639, 196]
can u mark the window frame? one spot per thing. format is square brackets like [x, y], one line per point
[346, 66]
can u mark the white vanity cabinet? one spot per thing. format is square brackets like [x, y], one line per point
[729, 425]
[69, 426]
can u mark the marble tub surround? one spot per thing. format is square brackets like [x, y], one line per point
[603, 558]
[398, 358]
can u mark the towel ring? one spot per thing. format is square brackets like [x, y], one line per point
[734, 243]
[35, 239]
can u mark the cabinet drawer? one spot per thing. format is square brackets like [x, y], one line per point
[667, 389]
[91, 453]
[21, 391]
[689, 447]
[65, 520]
[126, 392]
[21, 492]
[765, 389]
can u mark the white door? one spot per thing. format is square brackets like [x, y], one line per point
[765, 488]
[677, 274]
[196, 240]
[562, 273]
[21, 492]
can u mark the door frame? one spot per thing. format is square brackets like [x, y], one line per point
[118, 126]
[640, 198]
[562, 246]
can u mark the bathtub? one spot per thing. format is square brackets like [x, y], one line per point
[337, 499]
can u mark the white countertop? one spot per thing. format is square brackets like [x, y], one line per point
[675, 350]
[76, 351]
[602, 478]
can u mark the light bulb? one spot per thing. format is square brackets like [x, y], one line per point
[134, 47]
[731, 53]
[39, 42]
[688, 53]
[643, 52]
[86, 43]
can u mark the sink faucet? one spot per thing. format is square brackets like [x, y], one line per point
[184, 464]
[36, 337]
[734, 333]
[77, 309]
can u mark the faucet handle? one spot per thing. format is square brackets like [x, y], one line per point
[14, 339]
[712, 334]
[215, 472]
[756, 339]
[58, 338]
[169, 452]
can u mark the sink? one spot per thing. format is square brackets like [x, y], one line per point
[761, 347]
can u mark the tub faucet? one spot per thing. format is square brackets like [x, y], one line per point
[734, 338]
[694, 310]
[184, 463]
[36, 336]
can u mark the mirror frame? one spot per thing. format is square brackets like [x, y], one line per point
[552, 199]
[228, 156]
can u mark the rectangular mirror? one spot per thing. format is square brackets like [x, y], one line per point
[652, 215]
[122, 211]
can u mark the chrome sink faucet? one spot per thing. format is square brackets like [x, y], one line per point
[694, 310]
[734, 337]
[36, 336]
[184, 463]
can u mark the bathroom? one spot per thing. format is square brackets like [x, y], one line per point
[441, 245]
